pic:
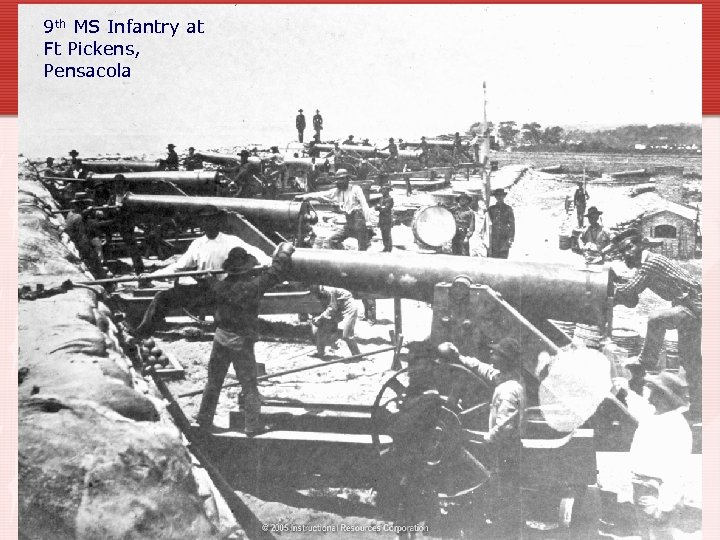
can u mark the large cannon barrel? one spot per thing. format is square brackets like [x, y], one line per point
[536, 290]
[180, 178]
[254, 209]
[120, 165]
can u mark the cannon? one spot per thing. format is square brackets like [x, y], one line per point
[161, 182]
[120, 166]
[475, 302]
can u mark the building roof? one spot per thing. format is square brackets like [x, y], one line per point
[650, 204]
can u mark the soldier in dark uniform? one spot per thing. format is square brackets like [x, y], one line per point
[317, 124]
[425, 149]
[192, 161]
[580, 198]
[300, 124]
[172, 161]
[73, 156]
[384, 208]
[464, 225]
[502, 218]
[350, 140]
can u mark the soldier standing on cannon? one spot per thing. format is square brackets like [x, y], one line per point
[300, 124]
[208, 252]
[502, 233]
[671, 283]
[464, 225]
[317, 124]
[236, 316]
[73, 156]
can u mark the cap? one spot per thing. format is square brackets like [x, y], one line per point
[627, 234]
[508, 347]
[238, 257]
[192, 148]
[593, 211]
[672, 385]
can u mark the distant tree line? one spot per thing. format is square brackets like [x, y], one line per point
[633, 138]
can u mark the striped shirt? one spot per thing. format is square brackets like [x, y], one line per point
[666, 279]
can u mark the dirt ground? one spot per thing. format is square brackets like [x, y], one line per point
[285, 342]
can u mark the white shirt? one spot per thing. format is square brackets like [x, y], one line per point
[349, 199]
[206, 254]
[661, 449]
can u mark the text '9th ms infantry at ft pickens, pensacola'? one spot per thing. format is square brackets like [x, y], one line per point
[94, 48]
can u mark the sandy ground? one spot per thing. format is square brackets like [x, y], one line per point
[285, 342]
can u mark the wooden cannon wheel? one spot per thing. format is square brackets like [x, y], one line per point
[425, 421]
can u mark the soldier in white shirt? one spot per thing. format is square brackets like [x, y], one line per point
[351, 201]
[659, 452]
[208, 252]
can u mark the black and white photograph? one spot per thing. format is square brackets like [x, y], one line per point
[360, 272]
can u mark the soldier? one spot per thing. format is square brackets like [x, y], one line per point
[192, 161]
[384, 208]
[594, 239]
[350, 140]
[73, 156]
[82, 231]
[506, 426]
[172, 161]
[317, 124]
[340, 307]
[659, 453]
[458, 151]
[205, 253]
[300, 124]
[502, 219]
[425, 151]
[236, 315]
[580, 198]
[77, 170]
[464, 225]
[673, 284]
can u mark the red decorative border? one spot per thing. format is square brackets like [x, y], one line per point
[9, 48]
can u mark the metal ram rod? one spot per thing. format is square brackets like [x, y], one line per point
[273, 211]
[537, 290]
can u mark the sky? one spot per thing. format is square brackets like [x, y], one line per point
[375, 71]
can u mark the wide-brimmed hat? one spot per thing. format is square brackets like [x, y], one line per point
[593, 211]
[209, 211]
[463, 195]
[73, 152]
[170, 146]
[498, 191]
[341, 173]
[386, 187]
[509, 348]
[237, 256]
[672, 385]
[300, 110]
[625, 236]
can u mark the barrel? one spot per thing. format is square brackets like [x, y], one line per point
[628, 340]
[565, 241]
[433, 226]
[588, 334]
[540, 291]
[567, 327]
